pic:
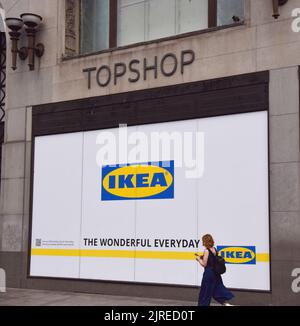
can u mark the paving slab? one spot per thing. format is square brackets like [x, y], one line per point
[28, 297]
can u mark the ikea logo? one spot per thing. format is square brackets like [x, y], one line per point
[238, 255]
[154, 180]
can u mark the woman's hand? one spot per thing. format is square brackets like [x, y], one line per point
[199, 260]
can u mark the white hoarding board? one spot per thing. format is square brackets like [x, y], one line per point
[56, 216]
[141, 220]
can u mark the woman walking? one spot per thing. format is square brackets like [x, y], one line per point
[212, 285]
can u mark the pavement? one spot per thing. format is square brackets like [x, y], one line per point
[26, 297]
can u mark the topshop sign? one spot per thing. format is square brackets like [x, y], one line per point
[137, 69]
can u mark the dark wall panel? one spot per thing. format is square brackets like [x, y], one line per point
[231, 95]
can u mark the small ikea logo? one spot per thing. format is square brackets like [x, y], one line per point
[153, 180]
[238, 255]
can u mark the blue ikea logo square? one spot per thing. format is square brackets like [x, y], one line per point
[240, 255]
[153, 180]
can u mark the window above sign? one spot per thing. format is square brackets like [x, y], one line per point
[105, 24]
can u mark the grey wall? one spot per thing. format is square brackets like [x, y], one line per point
[284, 181]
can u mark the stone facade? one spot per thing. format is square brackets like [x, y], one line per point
[260, 44]
[71, 27]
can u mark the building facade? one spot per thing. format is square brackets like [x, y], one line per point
[141, 63]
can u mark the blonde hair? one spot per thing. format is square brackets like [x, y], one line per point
[208, 241]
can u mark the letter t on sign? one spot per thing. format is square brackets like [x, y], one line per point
[89, 71]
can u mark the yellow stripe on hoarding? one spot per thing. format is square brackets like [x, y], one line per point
[165, 255]
[263, 257]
